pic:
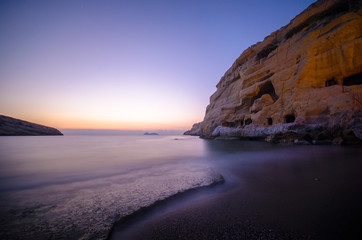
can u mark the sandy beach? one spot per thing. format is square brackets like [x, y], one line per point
[301, 193]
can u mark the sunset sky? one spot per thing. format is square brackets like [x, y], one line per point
[125, 64]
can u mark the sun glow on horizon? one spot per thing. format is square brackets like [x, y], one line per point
[105, 124]
[125, 116]
[123, 64]
[106, 104]
[122, 106]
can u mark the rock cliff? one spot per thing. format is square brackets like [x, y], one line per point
[16, 127]
[302, 84]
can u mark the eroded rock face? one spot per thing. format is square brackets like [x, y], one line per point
[303, 83]
[16, 127]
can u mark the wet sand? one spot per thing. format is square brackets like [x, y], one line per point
[293, 193]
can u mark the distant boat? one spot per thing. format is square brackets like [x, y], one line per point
[147, 133]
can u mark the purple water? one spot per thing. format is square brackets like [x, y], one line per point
[76, 187]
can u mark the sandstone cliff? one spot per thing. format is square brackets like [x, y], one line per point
[301, 84]
[16, 127]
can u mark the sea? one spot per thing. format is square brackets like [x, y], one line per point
[79, 186]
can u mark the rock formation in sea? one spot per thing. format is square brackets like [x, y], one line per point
[15, 127]
[147, 133]
[302, 84]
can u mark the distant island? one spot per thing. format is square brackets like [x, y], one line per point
[147, 133]
[15, 127]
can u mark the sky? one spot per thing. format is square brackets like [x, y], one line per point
[107, 64]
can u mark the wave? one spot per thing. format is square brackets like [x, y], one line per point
[89, 209]
[128, 220]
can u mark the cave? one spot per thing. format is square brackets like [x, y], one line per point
[289, 118]
[228, 124]
[267, 88]
[248, 121]
[270, 121]
[266, 50]
[331, 82]
[355, 79]
[239, 123]
[331, 12]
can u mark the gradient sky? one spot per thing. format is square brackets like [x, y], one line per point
[125, 64]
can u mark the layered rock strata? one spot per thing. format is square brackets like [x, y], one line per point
[16, 127]
[302, 84]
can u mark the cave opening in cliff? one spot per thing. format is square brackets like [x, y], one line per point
[331, 12]
[267, 88]
[228, 124]
[355, 79]
[248, 121]
[266, 50]
[290, 118]
[239, 123]
[270, 121]
[331, 82]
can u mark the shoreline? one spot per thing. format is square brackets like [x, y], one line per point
[275, 197]
[165, 206]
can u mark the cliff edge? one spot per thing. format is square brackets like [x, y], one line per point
[302, 84]
[16, 127]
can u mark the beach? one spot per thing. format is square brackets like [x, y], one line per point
[157, 187]
[297, 193]
[166, 120]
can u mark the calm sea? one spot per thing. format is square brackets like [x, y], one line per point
[77, 187]
[73, 187]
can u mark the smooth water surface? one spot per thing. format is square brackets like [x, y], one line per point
[78, 186]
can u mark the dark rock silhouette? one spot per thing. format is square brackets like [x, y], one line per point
[15, 127]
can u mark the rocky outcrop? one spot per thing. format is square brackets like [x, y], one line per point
[16, 127]
[302, 84]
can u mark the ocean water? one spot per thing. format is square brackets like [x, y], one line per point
[76, 187]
